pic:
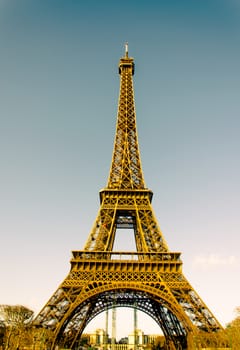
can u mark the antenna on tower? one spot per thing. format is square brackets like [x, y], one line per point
[126, 49]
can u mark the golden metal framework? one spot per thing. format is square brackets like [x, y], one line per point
[149, 279]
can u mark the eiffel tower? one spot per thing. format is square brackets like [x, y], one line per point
[149, 279]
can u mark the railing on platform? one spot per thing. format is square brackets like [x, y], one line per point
[132, 256]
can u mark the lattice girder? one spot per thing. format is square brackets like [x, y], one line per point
[126, 209]
[126, 170]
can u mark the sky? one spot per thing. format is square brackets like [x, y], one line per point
[59, 90]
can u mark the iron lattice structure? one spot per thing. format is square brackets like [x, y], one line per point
[149, 279]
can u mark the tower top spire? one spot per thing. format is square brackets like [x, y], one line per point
[126, 170]
[126, 49]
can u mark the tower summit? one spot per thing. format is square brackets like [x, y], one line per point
[149, 279]
[126, 171]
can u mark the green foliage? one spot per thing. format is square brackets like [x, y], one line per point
[17, 330]
[233, 331]
[15, 315]
[159, 343]
[16, 320]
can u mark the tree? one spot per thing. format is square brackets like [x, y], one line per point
[159, 343]
[2, 333]
[16, 320]
[233, 331]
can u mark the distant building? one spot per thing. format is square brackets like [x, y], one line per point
[98, 338]
[138, 340]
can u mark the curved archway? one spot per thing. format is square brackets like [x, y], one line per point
[153, 303]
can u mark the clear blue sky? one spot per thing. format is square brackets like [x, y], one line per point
[58, 103]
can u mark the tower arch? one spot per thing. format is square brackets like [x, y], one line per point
[153, 302]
